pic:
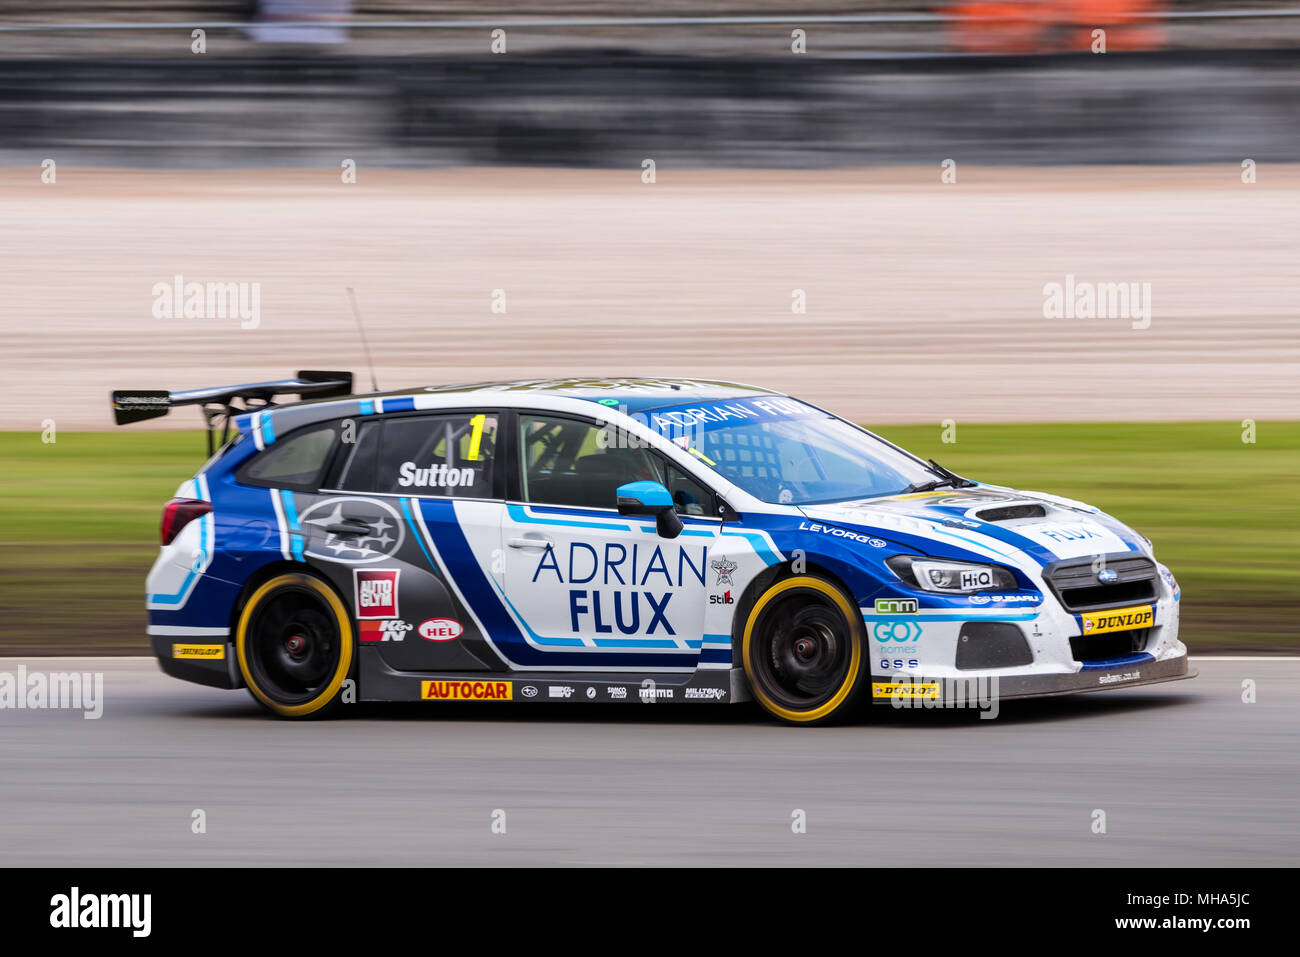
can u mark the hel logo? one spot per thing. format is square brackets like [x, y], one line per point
[465, 690]
[441, 629]
[1119, 619]
[376, 593]
[209, 652]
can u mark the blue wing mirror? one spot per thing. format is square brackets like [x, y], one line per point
[650, 498]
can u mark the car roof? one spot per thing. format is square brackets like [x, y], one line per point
[630, 394]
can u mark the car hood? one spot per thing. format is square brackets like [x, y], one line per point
[995, 523]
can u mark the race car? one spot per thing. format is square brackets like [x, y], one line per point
[656, 540]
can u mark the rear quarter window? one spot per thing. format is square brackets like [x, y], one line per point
[295, 462]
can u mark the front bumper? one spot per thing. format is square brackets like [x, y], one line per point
[969, 689]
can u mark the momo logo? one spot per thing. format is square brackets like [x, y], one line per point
[392, 630]
[725, 568]
[885, 631]
[1118, 619]
[465, 691]
[327, 530]
[441, 629]
[376, 592]
[440, 475]
[896, 606]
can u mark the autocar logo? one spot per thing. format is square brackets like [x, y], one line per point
[380, 531]
[528, 691]
[441, 629]
[1108, 576]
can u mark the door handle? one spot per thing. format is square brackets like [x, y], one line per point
[530, 543]
[349, 526]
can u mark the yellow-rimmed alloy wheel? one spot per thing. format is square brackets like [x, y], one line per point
[803, 650]
[295, 646]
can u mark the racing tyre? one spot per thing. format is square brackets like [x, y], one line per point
[295, 646]
[803, 651]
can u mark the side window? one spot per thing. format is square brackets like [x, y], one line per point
[569, 462]
[358, 472]
[295, 462]
[690, 497]
[436, 455]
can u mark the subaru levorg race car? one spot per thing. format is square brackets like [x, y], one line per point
[623, 540]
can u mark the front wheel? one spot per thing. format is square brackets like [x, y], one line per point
[294, 646]
[803, 651]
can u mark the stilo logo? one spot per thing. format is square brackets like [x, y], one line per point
[441, 629]
[723, 599]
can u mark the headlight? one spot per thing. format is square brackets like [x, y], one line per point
[954, 578]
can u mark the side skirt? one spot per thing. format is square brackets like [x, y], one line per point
[378, 682]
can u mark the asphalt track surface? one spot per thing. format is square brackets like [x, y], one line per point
[1186, 773]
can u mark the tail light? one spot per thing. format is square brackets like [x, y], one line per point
[178, 513]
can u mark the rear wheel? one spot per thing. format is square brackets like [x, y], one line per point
[803, 651]
[294, 645]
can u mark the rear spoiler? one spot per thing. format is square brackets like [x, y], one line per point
[221, 403]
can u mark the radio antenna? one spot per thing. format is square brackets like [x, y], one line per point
[356, 312]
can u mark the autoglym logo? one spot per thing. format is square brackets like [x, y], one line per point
[376, 592]
[76, 910]
[179, 299]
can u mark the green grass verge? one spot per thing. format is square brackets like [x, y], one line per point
[79, 519]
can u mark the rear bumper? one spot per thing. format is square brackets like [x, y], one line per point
[965, 691]
[214, 664]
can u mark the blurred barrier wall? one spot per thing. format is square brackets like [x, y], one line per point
[613, 109]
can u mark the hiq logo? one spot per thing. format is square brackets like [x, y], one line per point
[896, 631]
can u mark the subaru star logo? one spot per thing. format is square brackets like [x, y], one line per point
[1108, 576]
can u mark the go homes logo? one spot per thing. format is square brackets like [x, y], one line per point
[465, 691]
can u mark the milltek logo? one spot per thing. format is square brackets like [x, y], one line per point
[707, 694]
[896, 606]
[74, 910]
